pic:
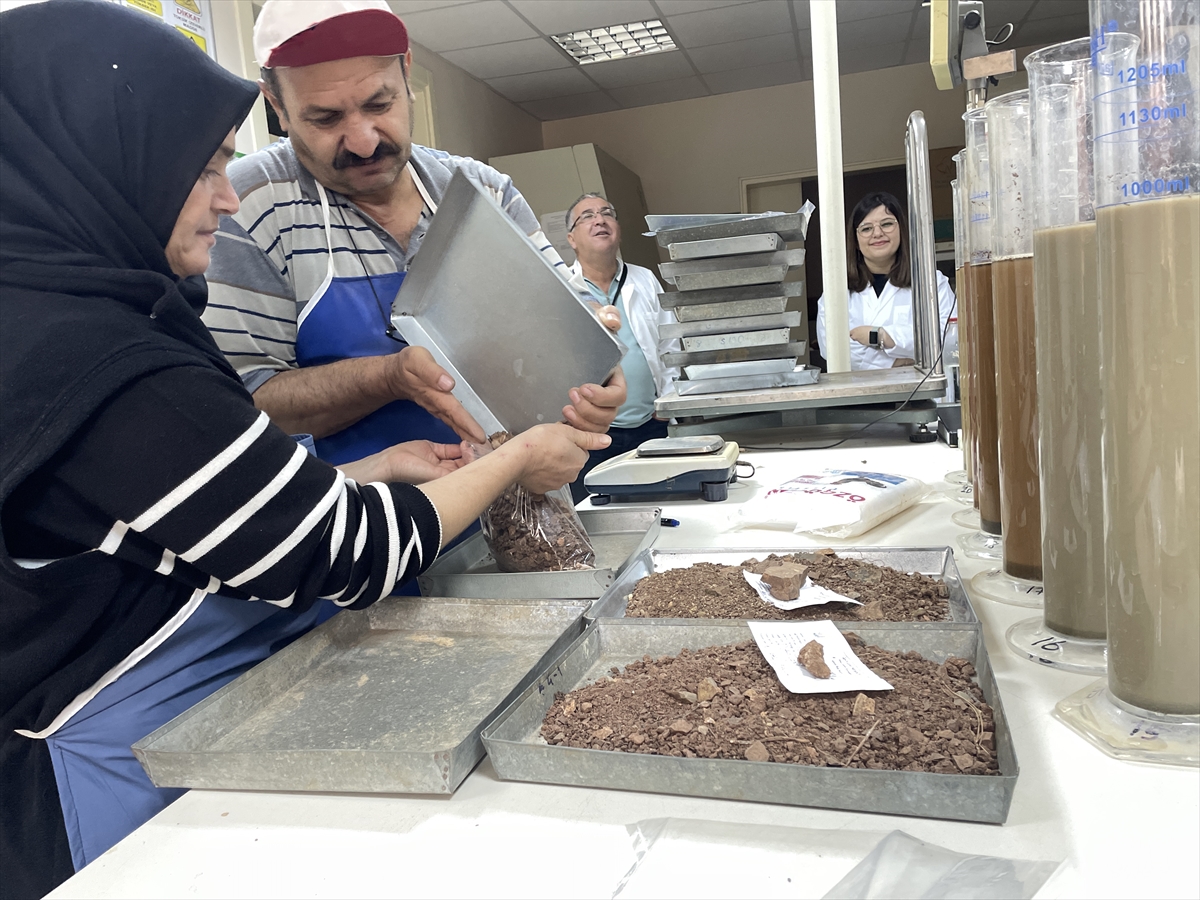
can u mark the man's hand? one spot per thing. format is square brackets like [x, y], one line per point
[415, 375]
[609, 316]
[593, 407]
[413, 462]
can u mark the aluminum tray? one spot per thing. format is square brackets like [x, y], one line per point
[737, 369]
[789, 226]
[519, 753]
[701, 311]
[749, 263]
[739, 339]
[727, 246]
[794, 349]
[728, 325]
[391, 699]
[937, 562]
[803, 375]
[618, 536]
[677, 300]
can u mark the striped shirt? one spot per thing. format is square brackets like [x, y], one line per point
[180, 475]
[272, 257]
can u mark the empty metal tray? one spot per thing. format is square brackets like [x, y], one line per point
[789, 226]
[794, 350]
[728, 246]
[519, 753]
[390, 699]
[781, 290]
[731, 271]
[936, 562]
[805, 375]
[729, 325]
[618, 536]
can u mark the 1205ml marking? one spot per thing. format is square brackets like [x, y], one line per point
[1150, 71]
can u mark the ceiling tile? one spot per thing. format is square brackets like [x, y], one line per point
[997, 12]
[569, 107]
[1049, 9]
[405, 8]
[852, 10]
[513, 58]
[730, 23]
[755, 77]
[540, 85]
[1049, 31]
[742, 54]
[576, 15]
[467, 25]
[675, 7]
[660, 92]
[880, 30]
[617, 73]
[864, 59]
[917, 51]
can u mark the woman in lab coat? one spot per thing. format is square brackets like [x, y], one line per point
[880, 282]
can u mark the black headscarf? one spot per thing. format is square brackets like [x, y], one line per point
[107, 118]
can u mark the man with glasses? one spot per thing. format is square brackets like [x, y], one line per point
[595, 236]
[303, 277]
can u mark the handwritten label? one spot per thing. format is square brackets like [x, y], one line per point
[780, 643]
[810, 594]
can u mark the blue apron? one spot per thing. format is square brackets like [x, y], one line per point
[346, 318]
[104, 793]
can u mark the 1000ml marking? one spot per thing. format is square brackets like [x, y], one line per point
[1150, 71]
[1157, 186]
[1144, 114]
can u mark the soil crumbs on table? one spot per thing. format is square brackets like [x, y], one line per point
[712, 591]
[726, 703]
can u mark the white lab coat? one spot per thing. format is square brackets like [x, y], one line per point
[640, 295]
[893, 313]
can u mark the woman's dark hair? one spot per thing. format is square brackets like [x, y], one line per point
[858, 276]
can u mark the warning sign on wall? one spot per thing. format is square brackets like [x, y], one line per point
[191, 18]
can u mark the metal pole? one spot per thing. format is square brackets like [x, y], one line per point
[828, 108]
[926, 320]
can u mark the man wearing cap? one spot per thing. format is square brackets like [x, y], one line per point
[595, 235]
[303, 277]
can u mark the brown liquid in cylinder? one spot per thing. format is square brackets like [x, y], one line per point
[1069, 407]
[1016, 405]
[966, 386]
[987, 459]
[1150, 313]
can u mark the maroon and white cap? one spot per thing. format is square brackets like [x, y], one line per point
[306, 32]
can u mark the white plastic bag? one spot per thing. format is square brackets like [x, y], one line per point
[837, 503]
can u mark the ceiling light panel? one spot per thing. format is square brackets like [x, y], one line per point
[616, 41]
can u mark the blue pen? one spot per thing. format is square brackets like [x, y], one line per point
[670, 523]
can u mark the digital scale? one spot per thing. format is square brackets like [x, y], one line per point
[696, 466]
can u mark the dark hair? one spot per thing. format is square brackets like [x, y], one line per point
[588, 196]
[858, 276]
[270, 78]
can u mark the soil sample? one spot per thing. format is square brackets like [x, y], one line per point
[1069, 406]
[712, 591]
[987, 460]
[725, 702]
[1016, 406]
[1150, 312]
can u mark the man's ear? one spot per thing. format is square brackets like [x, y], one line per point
[276, 104]
[571, 241]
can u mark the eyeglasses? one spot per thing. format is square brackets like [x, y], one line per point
[887, 226]
[606, 211]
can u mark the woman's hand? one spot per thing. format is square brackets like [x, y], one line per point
[413, 462]
[552, 455]
[862, 334]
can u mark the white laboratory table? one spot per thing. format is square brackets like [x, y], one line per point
[1122, 829]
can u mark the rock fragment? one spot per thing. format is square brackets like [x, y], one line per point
[812, 657]
[757, 752]
[785, 579]
[863, 706]
[707, 689]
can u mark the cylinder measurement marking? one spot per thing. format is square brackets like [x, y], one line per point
[1151, 71]
[1157, 186]
[1144, 114]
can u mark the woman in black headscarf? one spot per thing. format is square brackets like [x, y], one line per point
[143, 499]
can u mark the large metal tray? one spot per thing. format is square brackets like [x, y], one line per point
[727, 246]
[494, 312]
[792, 349]
[937, 562]
[391, 699]
[779, 291]
[618, 536]
[729, 325]
[519, 753]
[751, 268]
[803, 375]
[789, 226]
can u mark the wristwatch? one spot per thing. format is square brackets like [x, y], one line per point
[873, 338]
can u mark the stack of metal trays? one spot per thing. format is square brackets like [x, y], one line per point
[731, 303]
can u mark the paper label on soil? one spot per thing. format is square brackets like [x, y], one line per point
[810, 594]
[780, 643]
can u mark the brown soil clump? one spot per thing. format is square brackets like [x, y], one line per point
[812, 657]
[935, 719]
[711, 591]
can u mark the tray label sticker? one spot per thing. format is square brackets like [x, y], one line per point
[780, 643]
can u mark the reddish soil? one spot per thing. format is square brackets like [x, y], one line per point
[726, 703]
[712, 591]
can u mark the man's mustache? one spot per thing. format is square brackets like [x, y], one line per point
[347, 160]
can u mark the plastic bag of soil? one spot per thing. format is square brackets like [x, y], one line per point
[528, 532]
